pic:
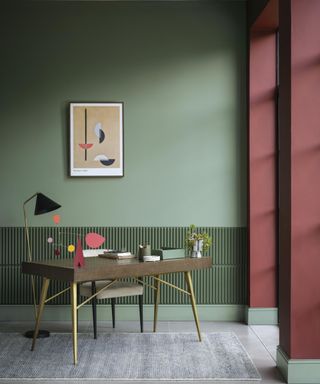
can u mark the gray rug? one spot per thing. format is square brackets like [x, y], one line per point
[128, 356]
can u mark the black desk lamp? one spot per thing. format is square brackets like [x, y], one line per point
[43, 205]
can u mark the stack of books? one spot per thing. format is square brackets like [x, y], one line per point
[151, 258]
[119, 255]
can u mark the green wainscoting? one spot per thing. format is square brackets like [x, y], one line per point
[224, 283]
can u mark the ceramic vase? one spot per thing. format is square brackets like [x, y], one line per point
[197, 248]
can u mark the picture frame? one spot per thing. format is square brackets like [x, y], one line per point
[96, 139]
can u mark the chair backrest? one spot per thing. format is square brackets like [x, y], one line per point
[93, 252]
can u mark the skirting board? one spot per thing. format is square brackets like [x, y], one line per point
[298, 371]
[261, 316]
[125, 312]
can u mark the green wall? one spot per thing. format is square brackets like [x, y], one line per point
[180, 69]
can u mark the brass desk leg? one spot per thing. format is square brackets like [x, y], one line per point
[188, 279]
[74, 321]
[44, 290]
[156, 303]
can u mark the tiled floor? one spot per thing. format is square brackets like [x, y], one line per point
[260, 341]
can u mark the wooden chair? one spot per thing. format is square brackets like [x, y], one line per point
[118, 289]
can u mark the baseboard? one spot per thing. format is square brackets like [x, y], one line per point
[298, 371]
[126, 312]
[261, 316]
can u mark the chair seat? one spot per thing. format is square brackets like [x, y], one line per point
[118, 289]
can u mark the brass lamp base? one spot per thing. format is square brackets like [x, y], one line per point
[41, 335]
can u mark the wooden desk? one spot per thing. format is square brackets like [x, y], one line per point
[99, 268]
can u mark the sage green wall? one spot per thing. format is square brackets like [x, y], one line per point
[180, 69]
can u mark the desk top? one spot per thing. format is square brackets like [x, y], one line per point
[99, 268]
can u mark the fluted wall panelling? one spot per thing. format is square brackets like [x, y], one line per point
[224, 283]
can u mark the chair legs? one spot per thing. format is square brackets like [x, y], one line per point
[113, 310]
[94, 309]
[141, 312]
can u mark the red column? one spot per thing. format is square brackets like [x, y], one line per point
[262, 172]
[300, 178]
[262, 204]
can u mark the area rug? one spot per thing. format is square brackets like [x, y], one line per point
[128, 356]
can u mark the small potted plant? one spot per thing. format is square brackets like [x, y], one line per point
[197, 242]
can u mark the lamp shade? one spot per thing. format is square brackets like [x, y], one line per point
[45, 205]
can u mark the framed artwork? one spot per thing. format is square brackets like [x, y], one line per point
[96, 139]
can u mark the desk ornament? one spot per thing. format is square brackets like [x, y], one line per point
[144, 250]
[197, 242]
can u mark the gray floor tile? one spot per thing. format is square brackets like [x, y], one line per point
[269, 336]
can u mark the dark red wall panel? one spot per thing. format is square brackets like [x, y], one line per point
[305, 152]
[262, 170]
[300, 158]
[285, 177]
[268, 17]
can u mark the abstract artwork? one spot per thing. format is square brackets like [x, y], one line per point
[96, 139]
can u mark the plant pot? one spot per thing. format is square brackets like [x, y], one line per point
[197, 248]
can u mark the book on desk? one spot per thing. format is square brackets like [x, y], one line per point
[117, 255]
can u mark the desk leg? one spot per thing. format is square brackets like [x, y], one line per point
[188, 279]
[44, 290]
[74, 321]
[156, 303]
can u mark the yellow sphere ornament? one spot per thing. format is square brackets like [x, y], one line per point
[71, 248]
